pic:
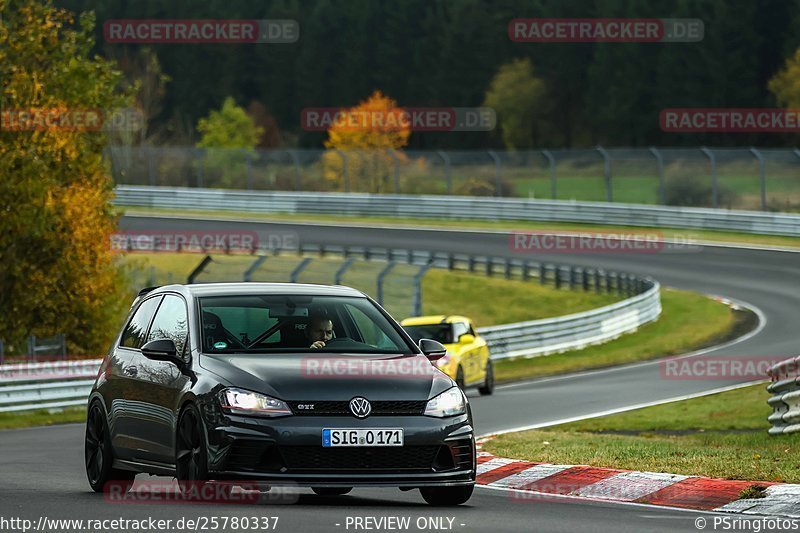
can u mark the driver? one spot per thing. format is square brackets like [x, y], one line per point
[319, 331]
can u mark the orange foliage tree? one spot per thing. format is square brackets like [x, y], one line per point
[57, 271]
[363, 142]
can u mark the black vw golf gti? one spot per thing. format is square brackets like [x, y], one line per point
[306, 385]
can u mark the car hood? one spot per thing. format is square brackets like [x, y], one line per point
[304, 377]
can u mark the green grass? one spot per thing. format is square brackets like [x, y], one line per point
[722, 435]
[667, 233]
[688, 321]
[42, 418]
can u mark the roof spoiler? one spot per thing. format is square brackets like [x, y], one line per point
[147, 290]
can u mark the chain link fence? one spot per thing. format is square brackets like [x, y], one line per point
[740, 178]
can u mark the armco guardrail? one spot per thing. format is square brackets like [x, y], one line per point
[459, 207]
[50, 385]
[64, 383]
[785, 399]
[551, 335]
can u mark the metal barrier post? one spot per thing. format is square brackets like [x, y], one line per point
[248, 167]
[248, 274]
[713, 161]
[297, 175]
[418, 288]
[762, 177]
[662, 190]
[551, 161]
[298, 269]
[542, 274]
[597, 287]
[396, 162]
[498, 186]
[151, 165]
[198, 269]
[606, 172]
[198, 154]
[345, 176]
[381, 275]
[448, 176]
[337, 279]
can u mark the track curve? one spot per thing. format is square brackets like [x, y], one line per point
[43, 472]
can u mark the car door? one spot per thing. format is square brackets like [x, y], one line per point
[160, 384]
[121, 402]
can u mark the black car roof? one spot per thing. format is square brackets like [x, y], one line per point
[232, 289]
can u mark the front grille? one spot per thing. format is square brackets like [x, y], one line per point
[342, 408]
[374, 459]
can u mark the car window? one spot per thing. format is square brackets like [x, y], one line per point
[278, 323]
[134, 334]
[171, 322]
[459, 328]
[370, 332]
[439, 332]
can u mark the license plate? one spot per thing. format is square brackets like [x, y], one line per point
[362, 437]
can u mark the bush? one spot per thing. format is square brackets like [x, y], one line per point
[484, 187]
[690, 191]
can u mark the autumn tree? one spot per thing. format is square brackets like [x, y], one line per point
[364, 143]
[785, 85]
[57, 270]
[516, 95]
[230, 135]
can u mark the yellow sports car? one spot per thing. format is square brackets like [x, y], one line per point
[467, 360]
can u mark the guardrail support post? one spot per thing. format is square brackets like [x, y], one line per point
[450, 261]
[418, 289]
[585, 279]
[151, 165]
[606, 172]
[542, 274]
[507, 269]
[198, 156]
[557, 276]
[597, 286]
[32, 346]
[248, 274]
[489, 266]
[298, 269]
[762, 178]
[345, 176]
[713, 162]
[337, 279]
[662, 189]
[551, 162]
[572, 277]
[447, 169]
[526, 271]
[297, 174]
[396, 171]
[498, 186]
[381, 275]
[198, 269]
[248, 167]
[471, 263]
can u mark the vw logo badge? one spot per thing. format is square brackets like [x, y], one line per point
[360, 407]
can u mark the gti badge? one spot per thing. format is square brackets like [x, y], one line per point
[360, 407]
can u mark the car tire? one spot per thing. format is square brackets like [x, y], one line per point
[331, 491]
[191, 458]
[488, 381]
[99, 456]
[446, 496]
[460, 377]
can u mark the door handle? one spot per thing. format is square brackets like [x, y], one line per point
[131, 371]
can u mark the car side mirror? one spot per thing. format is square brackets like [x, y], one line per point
[466, 338]
[432, 349]
[162, 350]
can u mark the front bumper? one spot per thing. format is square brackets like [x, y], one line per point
[289, 451]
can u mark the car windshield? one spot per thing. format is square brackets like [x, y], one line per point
[439, 332]
[297, 323]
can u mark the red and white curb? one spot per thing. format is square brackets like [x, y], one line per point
[530, 481]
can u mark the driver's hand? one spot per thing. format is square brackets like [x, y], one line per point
[318, 344]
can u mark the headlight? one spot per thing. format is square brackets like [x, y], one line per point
[449, 403]
[245, 402]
